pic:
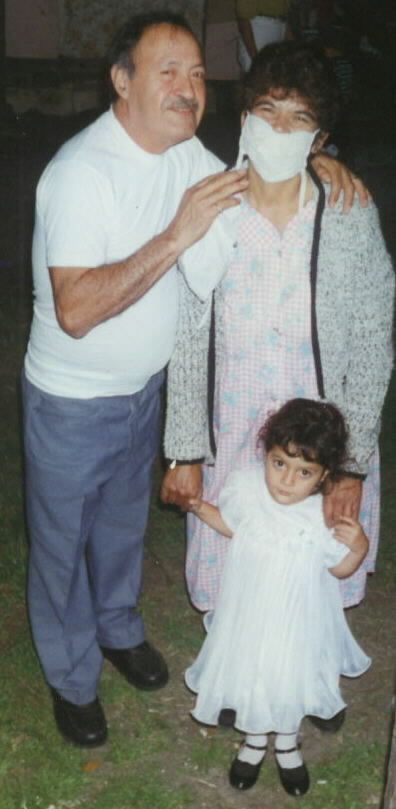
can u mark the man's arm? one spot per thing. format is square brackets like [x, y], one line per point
[87, 296]
[341, 179]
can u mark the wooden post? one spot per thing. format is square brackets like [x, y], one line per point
[390, 790]
[2, 56]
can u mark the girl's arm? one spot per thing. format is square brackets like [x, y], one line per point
[210, 515]
[351, 534]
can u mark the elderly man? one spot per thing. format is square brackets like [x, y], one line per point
[112, 217]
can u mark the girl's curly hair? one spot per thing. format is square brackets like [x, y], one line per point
[314, 430]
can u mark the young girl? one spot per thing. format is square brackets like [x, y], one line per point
[278, 640]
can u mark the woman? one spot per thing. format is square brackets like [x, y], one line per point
[304, 309]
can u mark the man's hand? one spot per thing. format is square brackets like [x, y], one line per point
[342, 499]
[181, 484]
[340, 178]
[202, 203]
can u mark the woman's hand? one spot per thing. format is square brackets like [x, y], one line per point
[340, 178]
[342, 499]
[181, 484]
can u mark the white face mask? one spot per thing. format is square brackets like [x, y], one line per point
[276, 156]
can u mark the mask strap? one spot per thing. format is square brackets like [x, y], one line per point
[303, 188]
[242, 150]
[241, 159]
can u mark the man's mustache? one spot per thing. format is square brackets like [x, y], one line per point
[184, 104]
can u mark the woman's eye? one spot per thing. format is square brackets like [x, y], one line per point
[264, 108]
[303, 119]
[306, 473]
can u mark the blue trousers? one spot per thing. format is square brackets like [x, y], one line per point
[88, 481]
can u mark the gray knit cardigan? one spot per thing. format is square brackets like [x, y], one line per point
[352, 287]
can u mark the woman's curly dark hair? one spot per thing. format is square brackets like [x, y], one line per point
[315, 430]
[293, 67]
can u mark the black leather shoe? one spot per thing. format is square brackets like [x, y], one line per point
[84, 725]
[142, 666]
[294, 780]
[243, 775]
[329, 725]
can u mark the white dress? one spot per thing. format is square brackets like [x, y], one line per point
[278, 640]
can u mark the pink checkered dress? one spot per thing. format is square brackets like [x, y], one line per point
[266, 359]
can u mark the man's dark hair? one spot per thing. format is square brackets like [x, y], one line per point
[294, 67]
[316, 431]
[126, 39]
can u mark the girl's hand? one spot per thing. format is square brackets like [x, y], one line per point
[209, 514]
[351, 533]
[194, 504]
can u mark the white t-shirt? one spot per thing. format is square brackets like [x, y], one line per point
[99, 200]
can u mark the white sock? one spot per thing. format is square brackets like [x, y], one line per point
[250, 755]
[286, 741]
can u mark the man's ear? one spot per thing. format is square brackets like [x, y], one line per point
[120, 79]
[319, 142]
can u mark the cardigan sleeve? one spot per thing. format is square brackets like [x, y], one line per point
[371, 351]
[361, 345]
[186, 423]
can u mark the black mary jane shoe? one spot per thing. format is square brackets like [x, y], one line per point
[243, 775]
[329, 725]
[142, 665]
[227, 717]
[83, 725]
[295, 780]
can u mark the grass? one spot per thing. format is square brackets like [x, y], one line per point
[347, 782]
[156, 756]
